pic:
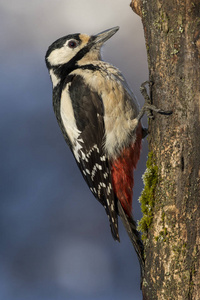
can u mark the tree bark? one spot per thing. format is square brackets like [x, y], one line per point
[172, 234]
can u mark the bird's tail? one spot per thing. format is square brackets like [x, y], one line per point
[134, 235]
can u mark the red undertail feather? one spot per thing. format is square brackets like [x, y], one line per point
[122, 172]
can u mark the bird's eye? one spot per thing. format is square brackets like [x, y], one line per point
[72, 44]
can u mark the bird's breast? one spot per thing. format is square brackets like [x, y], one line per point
[120, 107]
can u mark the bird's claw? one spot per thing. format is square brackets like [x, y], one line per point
[148, 107]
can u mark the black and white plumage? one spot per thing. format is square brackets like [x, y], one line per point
[88, 147]
[99, 118]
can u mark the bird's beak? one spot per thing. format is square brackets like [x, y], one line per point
[102, 37]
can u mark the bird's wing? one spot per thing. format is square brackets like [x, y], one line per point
[88, 146]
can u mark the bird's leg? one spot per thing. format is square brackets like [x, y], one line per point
[148, 107]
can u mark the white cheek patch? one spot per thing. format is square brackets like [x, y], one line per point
[62, 55]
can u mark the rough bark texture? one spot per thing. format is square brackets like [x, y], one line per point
[172, 244]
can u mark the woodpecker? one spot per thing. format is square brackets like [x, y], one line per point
[100, 120]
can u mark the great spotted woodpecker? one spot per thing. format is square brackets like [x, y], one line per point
[100, 120]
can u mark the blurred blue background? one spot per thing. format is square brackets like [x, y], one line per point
[55, 237]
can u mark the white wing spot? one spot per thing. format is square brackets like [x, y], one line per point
[109, 188]
[105, 175]
[87, 171]
[76, 149]
[96, 166]
[90, 152]
[103, 158]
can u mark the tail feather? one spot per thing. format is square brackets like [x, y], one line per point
[134, 235]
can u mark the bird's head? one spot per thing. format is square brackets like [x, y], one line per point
[73, 49]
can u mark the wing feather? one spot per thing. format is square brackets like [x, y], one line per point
[88, 147]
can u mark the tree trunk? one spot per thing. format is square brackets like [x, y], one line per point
[171, 221]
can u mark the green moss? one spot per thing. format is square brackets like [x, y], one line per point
[163, 236]
[174, 52]
[144, 13]
[163, 217]
[147, 199]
